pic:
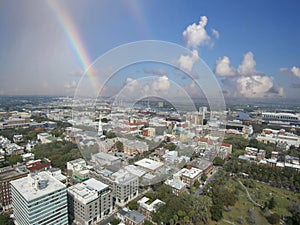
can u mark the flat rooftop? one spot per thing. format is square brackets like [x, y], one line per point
[149, 164]
[26, 186]
[84, 194]
[95, 184]
[10, 172]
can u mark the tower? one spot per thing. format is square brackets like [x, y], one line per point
[100, 130]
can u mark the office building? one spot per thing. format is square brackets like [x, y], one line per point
[39, 199]
[89, 202]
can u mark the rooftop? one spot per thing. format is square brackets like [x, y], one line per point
[149, 164]
[135, 216]
[81, 192]
[191, 173]
[95, 184]
[28, 188]
[10, 172]
[176, 184]
[123, 176]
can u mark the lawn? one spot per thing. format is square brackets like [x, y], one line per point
[244, 210]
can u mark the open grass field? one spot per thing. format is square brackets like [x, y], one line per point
[245, 212]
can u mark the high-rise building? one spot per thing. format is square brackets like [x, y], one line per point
[39, 199]
[89, 202]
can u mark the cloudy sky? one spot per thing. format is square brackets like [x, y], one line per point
[252, 47]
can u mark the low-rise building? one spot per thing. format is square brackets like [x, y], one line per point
[134, 218]
[189, 176]
[147, 208]
[131, 147]
[78, 169]
[177, 185]
[7, 174]
[38, 165]
[149, 165]
[202, 164]
[148, 132]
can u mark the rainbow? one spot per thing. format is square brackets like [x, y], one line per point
[75, 41]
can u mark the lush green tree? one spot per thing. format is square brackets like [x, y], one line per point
[58, 152]
[119, 146]
[218, 161]
[133, 205]
[114, 221]
[197, 183]
[272, 203]
[14, 159]
[204, 177]
[216, 212]
[5, 219]
[274, 218]
[110, 134]
[294, 209]
[104, 120]
[147, 222]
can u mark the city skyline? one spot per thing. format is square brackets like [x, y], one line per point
[252, 47]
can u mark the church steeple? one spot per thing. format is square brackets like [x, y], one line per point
[100, 130]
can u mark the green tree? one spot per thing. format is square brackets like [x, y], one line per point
[147, 222]
[14, 159]
[216, 212]
[119, 146]
[5, 219]
[133, 205]
[114, 221]
[104, 120]
[218, 161]
[204, 177]
[274, 218]
[272, 203]
[197, 183]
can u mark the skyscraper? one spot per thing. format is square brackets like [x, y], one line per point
[39, 199]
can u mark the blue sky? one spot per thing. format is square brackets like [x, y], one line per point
[254, 48]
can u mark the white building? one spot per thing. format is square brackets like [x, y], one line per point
[39, 199]
[89, 202]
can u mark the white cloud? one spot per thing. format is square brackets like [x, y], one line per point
[223, 67]
[246, 81]
[254, 86]
[248, 65]
[161, 84]
[215, 33]
[196, 35]
[70, 85]
[186, 62]
[296, 71]
[131, 84]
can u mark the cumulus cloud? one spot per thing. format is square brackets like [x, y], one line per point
[131, 84]
[223, 67]
[195, 34]
[186, 62]
[215, 33]
[245, 80]
[248, 65]
[296, 71]
[147, 85]
[161, 84]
